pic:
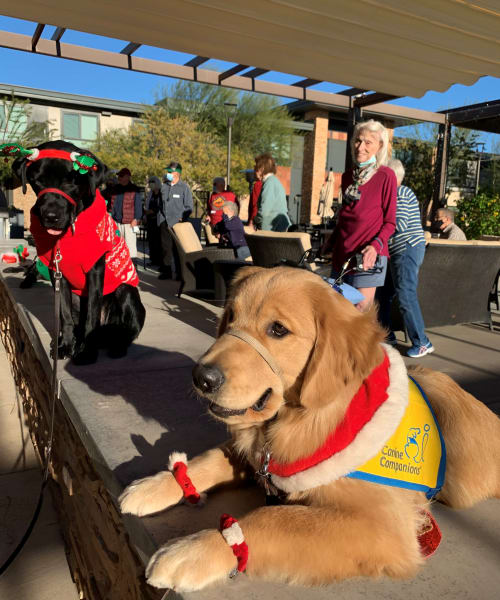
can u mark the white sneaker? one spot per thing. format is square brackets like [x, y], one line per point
[420, 351]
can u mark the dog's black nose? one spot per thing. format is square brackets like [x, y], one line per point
[51, 217]
[207, 378]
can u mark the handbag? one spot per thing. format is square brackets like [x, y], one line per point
[377, 267]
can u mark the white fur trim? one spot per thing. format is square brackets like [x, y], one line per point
[34, 154]
[233, 535]
[369, 440]
[176, 457]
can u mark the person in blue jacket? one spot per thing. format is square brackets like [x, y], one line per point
[232, 232]
[272, 211]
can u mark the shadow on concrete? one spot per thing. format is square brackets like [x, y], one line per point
[187, 309]
[167, 414]
[468, 342]
[466, 521]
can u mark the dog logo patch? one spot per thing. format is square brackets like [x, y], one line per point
[414, 457]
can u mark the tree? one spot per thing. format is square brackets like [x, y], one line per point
[149, 145]
[417, 151]
[261, 123]
[17, 127]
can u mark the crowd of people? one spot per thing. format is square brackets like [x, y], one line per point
[378, 243]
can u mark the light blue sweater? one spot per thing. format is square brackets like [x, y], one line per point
[272, 213]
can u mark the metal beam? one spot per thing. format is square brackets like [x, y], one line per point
[374, 98]
[305, 83]
[130, 48]
[487, 110]
[231, 72]
[17, 41]
[352, 92]
[58, 33]
[255, 73]
[196, 61]
[36, 36]
[412, 114]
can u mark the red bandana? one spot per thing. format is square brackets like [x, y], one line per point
[370, 396]
[95, 234]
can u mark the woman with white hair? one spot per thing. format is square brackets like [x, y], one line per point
[407, 249]
[367, 218]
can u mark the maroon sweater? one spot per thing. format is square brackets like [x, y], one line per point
[371, 220]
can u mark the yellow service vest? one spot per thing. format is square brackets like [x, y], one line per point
[415, 456]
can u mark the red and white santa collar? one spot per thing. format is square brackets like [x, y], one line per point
[372, 417]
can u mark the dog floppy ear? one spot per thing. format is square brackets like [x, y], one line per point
[241, 275]
[346, 350]
[19, 170]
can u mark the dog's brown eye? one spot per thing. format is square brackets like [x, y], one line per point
[276, 329]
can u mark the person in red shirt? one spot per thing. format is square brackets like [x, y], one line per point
[253, 205]
[367, 218]
[217, 200]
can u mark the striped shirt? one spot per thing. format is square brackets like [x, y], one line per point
[408, 224]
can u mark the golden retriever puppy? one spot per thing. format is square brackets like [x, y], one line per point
[291, 354]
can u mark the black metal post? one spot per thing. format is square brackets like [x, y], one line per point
[353, 117]
[441, 165]
[229, 133]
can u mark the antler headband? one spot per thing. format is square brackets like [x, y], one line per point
[83, 163]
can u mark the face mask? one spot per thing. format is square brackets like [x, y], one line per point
[170, 176]
[370, 161]
[436, 225]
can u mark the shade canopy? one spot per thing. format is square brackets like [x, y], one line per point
[398, 47]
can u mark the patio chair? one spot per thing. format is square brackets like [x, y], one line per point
[210, 237]
[196, 262]
[269, 248]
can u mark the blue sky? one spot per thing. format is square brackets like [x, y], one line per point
[22, 68]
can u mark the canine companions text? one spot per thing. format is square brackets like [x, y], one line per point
[291, 358]
[100, 302]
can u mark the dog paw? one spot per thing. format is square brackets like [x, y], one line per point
[191, 563]
[85, 356]
[150, 495]
[65, 349]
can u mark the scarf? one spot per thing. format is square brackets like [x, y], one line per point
[93, 235]
[360, 176]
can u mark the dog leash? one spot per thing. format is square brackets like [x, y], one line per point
[55, 392]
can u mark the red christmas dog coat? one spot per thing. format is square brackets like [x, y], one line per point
[94, 234]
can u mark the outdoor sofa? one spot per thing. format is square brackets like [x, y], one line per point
[455, 281]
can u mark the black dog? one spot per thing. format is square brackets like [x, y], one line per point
[110, 313]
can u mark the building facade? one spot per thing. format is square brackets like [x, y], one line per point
[77, 119]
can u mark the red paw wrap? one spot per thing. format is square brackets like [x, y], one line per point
[188, 490]
[233, 535]
[429, 536]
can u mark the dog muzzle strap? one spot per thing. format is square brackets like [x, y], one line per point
[58, 192]
[259, 348]
[177, 464]
[233, 535]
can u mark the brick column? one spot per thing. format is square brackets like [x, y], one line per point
[314, 166]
